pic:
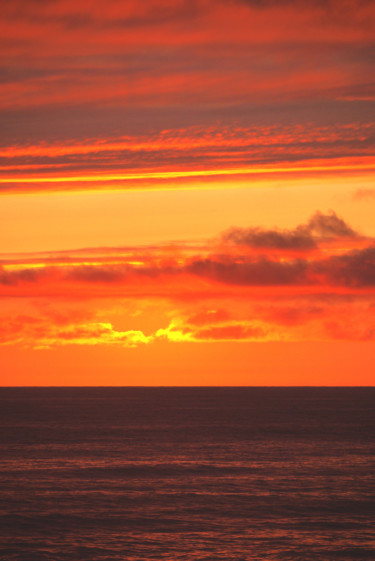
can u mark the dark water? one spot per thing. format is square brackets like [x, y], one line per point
[186, 474]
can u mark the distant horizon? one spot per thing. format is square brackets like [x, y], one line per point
[187, 387]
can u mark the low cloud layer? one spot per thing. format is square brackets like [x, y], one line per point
[234, 288]
[343, 259]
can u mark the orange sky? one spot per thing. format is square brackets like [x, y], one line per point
[187, 192]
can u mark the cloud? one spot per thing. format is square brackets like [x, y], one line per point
[293, 314]
[231, 332]
[328, 225]
[355, 269]
[41, 333]
[310, 323]
[204, 317]
[13, 278]
[364, 331]
[304, 237]
[181, 331]
[364, 194]
[323, 254]
[274, 239]
[95, 274]
[95, 98]
[259, 273]
[206, 151]
[337, 304]
[79, 72]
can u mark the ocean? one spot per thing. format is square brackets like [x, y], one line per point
[238, 474]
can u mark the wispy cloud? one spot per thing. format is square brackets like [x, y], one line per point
[179, 87]
[364, 194]
[187, 154]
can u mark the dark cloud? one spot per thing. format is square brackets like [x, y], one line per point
[99, 274]
[257, 273]
[131, 15]
[262, 272]
[303, 237]
[12, 278]
[114, 274]
[335, 6]
[328, 225]
[275, 239]
[353, 270]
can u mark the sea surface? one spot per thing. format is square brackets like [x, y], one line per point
[187, 473]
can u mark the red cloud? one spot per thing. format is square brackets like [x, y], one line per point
[93, 88]
[351, 266]
[215, 294]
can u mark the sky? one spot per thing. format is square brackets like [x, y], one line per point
[187, 192]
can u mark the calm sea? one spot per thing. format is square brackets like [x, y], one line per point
[187, 473]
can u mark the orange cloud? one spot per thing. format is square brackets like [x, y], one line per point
[38, 333]
[290, 319]
[187, 154]
[139, 92]
[323, 254]
[214, 291]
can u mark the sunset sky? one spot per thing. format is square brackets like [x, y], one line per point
[187, 192]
